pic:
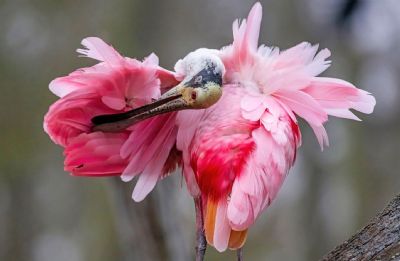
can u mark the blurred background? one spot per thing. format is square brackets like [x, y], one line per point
[46, 215]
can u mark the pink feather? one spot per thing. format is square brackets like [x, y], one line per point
[99, 50]
[222, 228]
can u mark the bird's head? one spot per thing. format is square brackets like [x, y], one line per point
[201, 72]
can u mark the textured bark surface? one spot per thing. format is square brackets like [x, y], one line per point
[379, 240]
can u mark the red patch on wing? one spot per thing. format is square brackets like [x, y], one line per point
[297, 137]
[296, 131]
[218, 161]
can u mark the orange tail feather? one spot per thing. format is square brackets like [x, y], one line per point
[236, 238]
[209, 221]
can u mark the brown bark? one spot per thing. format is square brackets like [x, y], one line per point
[379, 240]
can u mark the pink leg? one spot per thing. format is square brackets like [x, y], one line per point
[201, 243]
[239, 254]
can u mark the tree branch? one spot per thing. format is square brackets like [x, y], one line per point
[379, 240]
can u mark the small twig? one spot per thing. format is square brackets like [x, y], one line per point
[201, 243]
[239, 254]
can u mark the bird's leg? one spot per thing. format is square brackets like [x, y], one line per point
[201, 243]
[239, 254]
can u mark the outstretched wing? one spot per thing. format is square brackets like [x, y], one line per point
[115, 85]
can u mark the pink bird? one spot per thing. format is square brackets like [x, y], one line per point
[117, 84]
[228, 117]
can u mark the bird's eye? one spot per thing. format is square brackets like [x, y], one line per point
[194, 95]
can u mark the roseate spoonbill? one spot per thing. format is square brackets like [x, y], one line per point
[228, 117]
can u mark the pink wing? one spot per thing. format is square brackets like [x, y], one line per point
[240, 164]
[95, 154]
[337, 97]
[148, 148]
[276, 141]
[279, 86]
[114, 85]
[291, 78]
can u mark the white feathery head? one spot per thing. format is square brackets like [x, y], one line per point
[198, 60]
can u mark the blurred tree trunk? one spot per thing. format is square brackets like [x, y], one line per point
[153, 229]
[379, 240]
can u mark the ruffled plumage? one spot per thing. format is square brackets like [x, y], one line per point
[114, 85]
[235, 154]
[277, 87]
